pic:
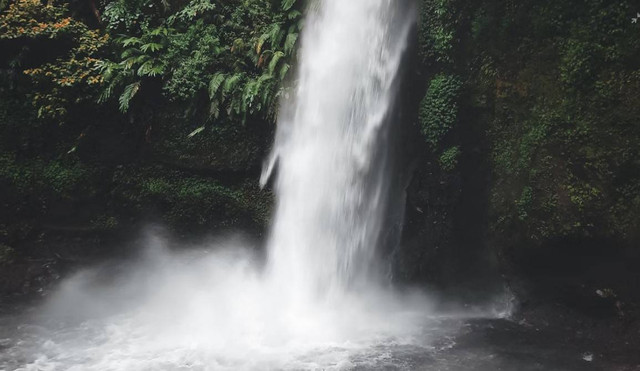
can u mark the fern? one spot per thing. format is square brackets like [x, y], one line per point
[283, 71]
[264, 86]
[131, 41]
[293, 15]
[214, 109]
[275, 35]
[153, 47]
[288, 4]
[230, 84]
[290, 43]
[237, 55]
[148, 68]
[274, 61]
[127, 95]
[249, 93]
[214, 84]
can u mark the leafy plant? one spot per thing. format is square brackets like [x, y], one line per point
[237, 56]
[449, 158]
[71, 76]
[439, 108]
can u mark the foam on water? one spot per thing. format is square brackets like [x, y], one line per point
[207, 310]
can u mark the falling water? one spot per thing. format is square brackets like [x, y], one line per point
[333, 178]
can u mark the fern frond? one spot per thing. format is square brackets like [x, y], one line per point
[148, 68]
[260, 43]
[288, 4]
[214, 84]
[290, 43]
[230, 84]
[274, 61]
[263, 89]
[263, 57]
[153, 47]
[127, 53]
[249, 93]
[283, 71]
[294, 14]
[275, 35]
[106, 94]
[131, 41]
[214, 109]
[127, 95]
[159, 31]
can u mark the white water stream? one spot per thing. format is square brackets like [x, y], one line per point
[333, 179]
[319, 302]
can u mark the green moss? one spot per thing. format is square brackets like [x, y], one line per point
[563, 126]
[437, 30]
[524, 203]
[449, 158]
[64, 179]
[185, 200]
[225, 146]
[579, 63]
[439, 108]
[47, 178]
[105, 223]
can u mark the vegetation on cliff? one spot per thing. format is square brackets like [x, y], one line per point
[115, 111]
[555, 88]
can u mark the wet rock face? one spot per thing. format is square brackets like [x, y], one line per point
[428, 236]
[444, 222]
[27, 277]
[598, 279]
[546, 142]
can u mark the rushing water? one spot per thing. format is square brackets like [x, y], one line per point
[319, 301]
[333, 179]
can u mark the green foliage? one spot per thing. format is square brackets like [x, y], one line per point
[70, 77]
[439, 108]
[57, 179]
[437, 28]
[524, 203]
[237, 53]
[579, 63]
[565, 101]
[186, 200]
[199, 81]
[449, 158]
[142, 58]
[105, 223]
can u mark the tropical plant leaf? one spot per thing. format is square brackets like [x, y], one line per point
[214, 84]
[290, 43]
[153, 47]
[127, 95]
[283, 71]
[230, 84]
[131, 41]
[288, 4]
[273, 64]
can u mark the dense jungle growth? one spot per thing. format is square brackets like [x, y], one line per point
[114, 113]
[530, 113]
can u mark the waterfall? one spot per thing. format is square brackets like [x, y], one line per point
[332, 183]
[316, 303]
